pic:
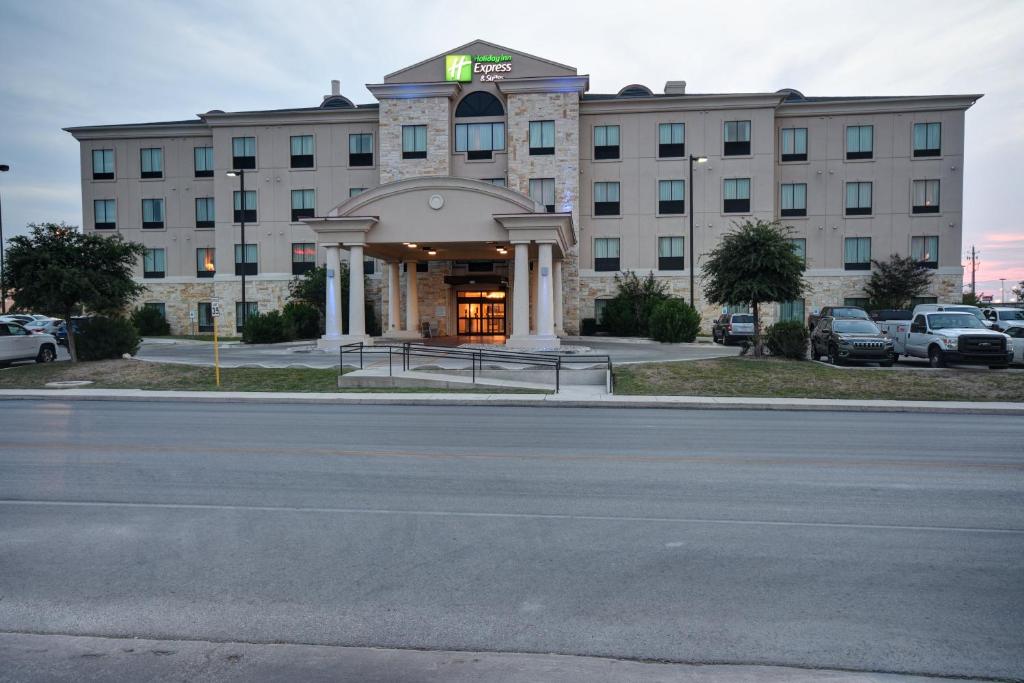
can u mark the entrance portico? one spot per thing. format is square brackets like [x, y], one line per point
[441, 218]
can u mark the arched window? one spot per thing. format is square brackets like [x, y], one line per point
[479, 103]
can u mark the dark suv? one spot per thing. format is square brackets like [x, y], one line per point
[851, 340]
[836, 312]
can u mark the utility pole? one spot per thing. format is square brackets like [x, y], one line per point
[974, 268]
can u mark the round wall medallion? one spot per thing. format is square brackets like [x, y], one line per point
[436, 201]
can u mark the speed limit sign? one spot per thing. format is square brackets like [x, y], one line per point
[215, 309]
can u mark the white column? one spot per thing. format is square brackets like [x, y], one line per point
[394, 297]
[332, 332]
[533, 297]
[556, 278]
[412, 300]
[521, 294]
[356, 296]
[545, 293]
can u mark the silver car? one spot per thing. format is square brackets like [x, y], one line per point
[1016, 333]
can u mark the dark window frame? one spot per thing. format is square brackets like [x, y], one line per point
[303, 265]
[251, 267]
[794, 155]
[608, 208]
[201, 173]
[154, 225]
[415, 153]
[251, 215]
[360, 158]
[202, 272]
[607, 264]
[860, 154]
[151, 175]
[738, 204]
[736, 148]
[246, 162]
[608, 152]
[104, 175]
[207, 223]
[541, 151]
[154, 274]
[104, 225]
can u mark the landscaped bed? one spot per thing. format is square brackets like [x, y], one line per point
[776, 378]
[134, 374]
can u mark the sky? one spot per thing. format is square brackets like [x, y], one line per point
[78, 63]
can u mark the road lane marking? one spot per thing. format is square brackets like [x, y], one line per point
[501, 515]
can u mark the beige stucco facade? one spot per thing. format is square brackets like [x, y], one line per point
[475, 219]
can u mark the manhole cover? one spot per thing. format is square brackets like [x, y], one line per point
[67, 384]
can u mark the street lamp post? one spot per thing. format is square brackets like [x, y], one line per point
[3, 288]
[241, 220]
[699, 160]
[1002, 290]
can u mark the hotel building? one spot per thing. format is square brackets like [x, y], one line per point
[486, 191]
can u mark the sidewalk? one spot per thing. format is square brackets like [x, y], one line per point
[30, 658]
[568, 398]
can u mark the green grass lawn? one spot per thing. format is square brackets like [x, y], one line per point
[134, 374]
[777, 378]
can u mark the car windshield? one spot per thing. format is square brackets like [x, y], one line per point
[976, 312]
[855, 326]
[952, 321]
[848, 313]
[1011, 315]
[743, 318]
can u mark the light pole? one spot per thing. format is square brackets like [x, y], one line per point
[699, 160]
[241, 219]
[3, 288]
[1002, 290]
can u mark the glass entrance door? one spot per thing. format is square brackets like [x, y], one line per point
[481, 313]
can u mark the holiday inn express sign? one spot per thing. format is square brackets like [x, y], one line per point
[460, 68]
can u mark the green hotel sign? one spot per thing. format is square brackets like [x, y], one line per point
[460, 68]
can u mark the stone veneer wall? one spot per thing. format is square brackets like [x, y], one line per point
[431, 111]
[563, 166]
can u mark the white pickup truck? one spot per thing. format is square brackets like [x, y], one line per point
[949, 337]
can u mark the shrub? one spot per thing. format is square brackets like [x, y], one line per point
[100, 338]
[304, 319]
[149, 321]
[674, 320]
[629, 313]
[588, 327]
[788, 339]
[267, 328]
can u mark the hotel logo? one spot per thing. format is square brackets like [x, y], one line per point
[458, 68]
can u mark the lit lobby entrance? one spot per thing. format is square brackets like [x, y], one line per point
[481, 313]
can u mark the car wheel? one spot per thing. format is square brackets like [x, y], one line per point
[814, 352]
[46, 355]
[833, 356]
[935, 358]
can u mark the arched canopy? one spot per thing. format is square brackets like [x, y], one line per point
[479, 103]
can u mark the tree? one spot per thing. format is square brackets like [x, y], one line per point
[894, 283]
[57, 270]
[970, 299]
[311, 288]
[1019, 291]
[754, 263]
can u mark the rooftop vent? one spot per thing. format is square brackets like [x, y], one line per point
[675, 88]
[336, 100]
[635, 90]
[335, 87]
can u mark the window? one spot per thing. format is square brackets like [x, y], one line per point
[243, 153]
[204, 212]
[500, 182]
[736, 195]
[606, 142]
[103, 164]
[918, 300]
[205, 315]
[800, 247]
[857, 253]
[206, 265]
[606, 253]
[671, 140]
[737, 138]
[793, 144]
[856, 301]
[670, 253]
[671, 195]
[542, 191]
[303, 204]
[159, 307]
[792, 310]
[360, 149]
[542, 137]
[303, 257]
[860, 142]
[203, 160]
[105, 213]
[152, 162]
[152, 213]
[251, 263]
[925, 250]
[927, 139]
[794, 199]
[302, 151]
[154, 263]
[354, 191]
[249, 216]
[251, 308]
[369, 266]
[479, 140]
[926, 196]
[479, 103]
[414, 142]
[606, 199]
[858, 199]
[599, 308]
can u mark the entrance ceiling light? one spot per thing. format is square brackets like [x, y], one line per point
[411, 245]
[432, 252]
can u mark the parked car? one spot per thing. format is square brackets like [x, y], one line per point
[731, 327]
[17, 343]
[1016, 333]
[45, 326]
[20, 318]
[836, 312]
[949, 337]
[952, 308]
[851, 340]
[1002, 318]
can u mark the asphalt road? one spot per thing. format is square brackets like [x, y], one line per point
[868, 542]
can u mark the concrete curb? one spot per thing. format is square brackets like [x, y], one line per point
[565, 400]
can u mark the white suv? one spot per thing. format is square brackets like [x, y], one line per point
[17, 343]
